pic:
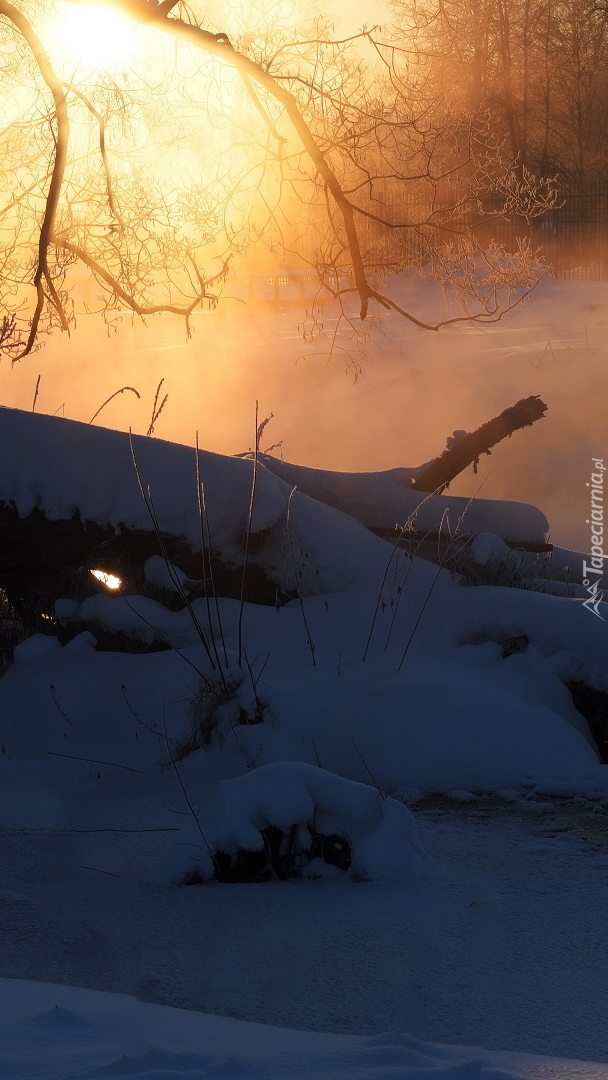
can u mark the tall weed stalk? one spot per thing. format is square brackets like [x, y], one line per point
[297, 579]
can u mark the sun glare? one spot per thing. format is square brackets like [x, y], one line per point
[109, 580]
[93, 38]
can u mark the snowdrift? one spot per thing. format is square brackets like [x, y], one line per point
[381, 666]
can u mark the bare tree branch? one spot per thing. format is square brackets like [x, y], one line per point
[102, 147]
[353, 175]
[42, 275]
[219, 45]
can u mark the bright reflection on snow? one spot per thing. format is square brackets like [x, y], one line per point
[109, 580]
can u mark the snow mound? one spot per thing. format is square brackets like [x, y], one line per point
[164, 575]
[486, 546]
[376, 834]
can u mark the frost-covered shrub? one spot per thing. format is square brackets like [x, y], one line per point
[290, 820]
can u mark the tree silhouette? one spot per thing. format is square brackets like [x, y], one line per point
[325, 150]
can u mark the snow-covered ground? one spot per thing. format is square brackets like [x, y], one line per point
[410, 739]
[503, 947]
[64, 1033]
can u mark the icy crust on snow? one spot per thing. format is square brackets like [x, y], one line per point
[53, 1032]
[383, 500]
[380, 830]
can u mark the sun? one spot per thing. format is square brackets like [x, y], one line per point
[92, 38]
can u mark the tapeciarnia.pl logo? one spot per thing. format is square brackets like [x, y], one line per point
[596, 521]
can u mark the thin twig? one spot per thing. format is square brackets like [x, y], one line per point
[42, 276]
[166, 828]
[133, 712]
[402, 531]
[96, 869]
[296, 578]
[36, 393]
[156, 408]
[248, 536]
[162, 637]
[131, 389]
[95, 761]
[182, 785]
[59, 707]
[421, 613]
[381, 793]
[147, 497]
[203, 519]
[101, 120]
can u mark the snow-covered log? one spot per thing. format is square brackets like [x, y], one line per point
[382, 500]
[74, 498]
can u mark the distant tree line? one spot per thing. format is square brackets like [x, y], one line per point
[535, 72]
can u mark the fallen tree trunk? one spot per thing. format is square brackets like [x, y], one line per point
[381, 500]
[465, 448]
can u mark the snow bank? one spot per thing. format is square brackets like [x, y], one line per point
[62, 468]
[380, 831]
[438, 704]
[52, 1032]
[462, 712]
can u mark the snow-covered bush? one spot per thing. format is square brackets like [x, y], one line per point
[289, 820]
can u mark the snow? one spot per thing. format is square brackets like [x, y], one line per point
[386, 704]
[499, 722]
[41, 468]
[380, 830]
[56, 1032]
[486, 546]
[382, 500]
[165, 576]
